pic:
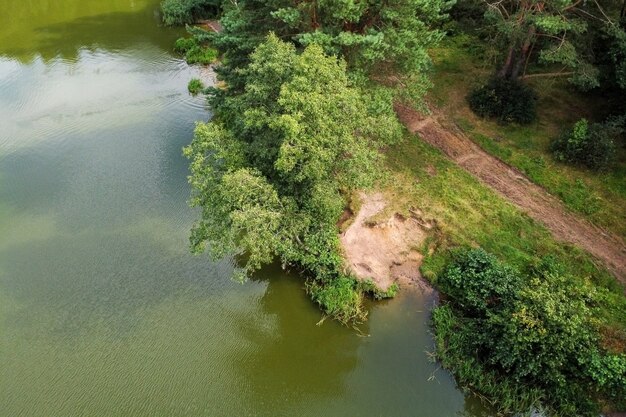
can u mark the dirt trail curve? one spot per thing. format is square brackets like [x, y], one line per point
[518, 189]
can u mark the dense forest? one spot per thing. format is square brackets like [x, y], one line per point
[306, 113]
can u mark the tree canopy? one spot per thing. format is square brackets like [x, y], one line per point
[180, 12]
[299, 123]
[371, 36]
[561, 35]
[271, 168]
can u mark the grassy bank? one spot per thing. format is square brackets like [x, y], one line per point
[462, 63]
[470, 214]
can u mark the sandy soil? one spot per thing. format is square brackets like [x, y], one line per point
[384, 251]
[519, 190]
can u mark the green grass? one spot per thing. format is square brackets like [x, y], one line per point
[369, 287]
[339, 298]
[462, 63]
[468, 213]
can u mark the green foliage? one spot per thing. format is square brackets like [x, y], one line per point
[548, 33]
[339, 298]
[201, 55]
[195, 52]
[369, 35]
[182, 45]
[509, 101]
[592, 145]
[269, 170]
[609, 373]
[195, 86]
[369, 287]
[451, 342]
[478, 283]
[599, 195]
[525, 341]
[468, 13]
[180, 12]
[175, 12]
[617, 53]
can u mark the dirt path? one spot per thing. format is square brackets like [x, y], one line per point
[519, 190]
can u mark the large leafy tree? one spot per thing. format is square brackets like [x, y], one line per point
[298, 125]
[269, 171]
[372, 36]
[554, 32]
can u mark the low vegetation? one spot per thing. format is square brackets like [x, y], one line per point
[195, 52]
[468, 214]
[571, 54]
[507, 101]
[526, 340]
[195, 86]
[592, 146]
[369, 287]
[463, 60]
[539, 325]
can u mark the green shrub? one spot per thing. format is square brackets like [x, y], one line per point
[478, 282]
[609, 373]
[194, 52]
[508, 101]
[369, 287]
[175, 12]
[453, 341]
[182, 45]
[195, 86]
[340, 298]
[589, 145]
[180, 12]
[201, 55]
[525, 341]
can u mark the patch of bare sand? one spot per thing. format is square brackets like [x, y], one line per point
[384, 251]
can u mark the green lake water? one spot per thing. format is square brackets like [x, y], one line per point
[103, 312]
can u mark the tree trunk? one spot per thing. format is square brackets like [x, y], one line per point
[523, 56]
[517, 57]
[505, 71]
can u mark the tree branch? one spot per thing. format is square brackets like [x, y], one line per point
[548, 74]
